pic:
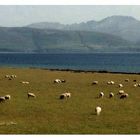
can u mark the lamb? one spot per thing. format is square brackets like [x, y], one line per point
[31, 95]
[7, 97]
[111, 94]
[98, 110]
[2, 99]
[101, 95]
[123, 96]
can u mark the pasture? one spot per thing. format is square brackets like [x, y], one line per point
[47, 114]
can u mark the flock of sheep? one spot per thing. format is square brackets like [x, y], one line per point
[121, 93]
[8, 97]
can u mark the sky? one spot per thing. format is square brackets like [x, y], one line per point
[22, 15]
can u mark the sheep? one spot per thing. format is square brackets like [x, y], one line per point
[111, 94]
[7, 76]
[2, 99]
[7, 97]
[110, 82]
[101, 95]
[24, 82]
[126, 80]
[95, 83]
[31, 95]
[121, 92]
[57, 81]
[13, 76]
[68, 94]
[63, 81]
[63, 96]
[135, 85]
[98, 110]
[123, 96]
[120, 85]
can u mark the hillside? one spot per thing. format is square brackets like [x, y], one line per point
[126, 27]
[60, 41]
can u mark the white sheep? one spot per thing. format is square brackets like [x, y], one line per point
[123, 96]
[95, 83]
[2, 99]
[68, 94]
[121, 92]
[24, 82]
[101, 95]
[112, 82]
[63, 96]
[31, 95]
[135, 85]
[98, 110]
[120, 85]
[111, 94]
[57, 81]
[126, 80]
[7, 76]
[7, 97]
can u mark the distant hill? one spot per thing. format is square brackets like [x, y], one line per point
[126, 27]
[61, 41]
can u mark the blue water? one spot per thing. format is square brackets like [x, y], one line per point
[114, 62]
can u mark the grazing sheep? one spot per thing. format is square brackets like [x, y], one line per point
[24, 82]
[63, 96]
[120, 85]
[126, 80]
[31, 95]
[57, 81]
[123, 96]
[63, 81]
[68, 94]
[112, 82]
[7, 76]
[135, 85]
[121, 92]
[98, 110]
[13, 76]
[7, 97]
[101, 95]
[2, 99]
[111, 94]
[109, 83]
[95, 83]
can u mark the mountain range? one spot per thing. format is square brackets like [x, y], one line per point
[112, 34]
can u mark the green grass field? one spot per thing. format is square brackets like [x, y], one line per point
[47, 114]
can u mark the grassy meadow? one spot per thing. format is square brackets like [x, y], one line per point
[47, 114]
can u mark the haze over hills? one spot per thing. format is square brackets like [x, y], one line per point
[124, 26]
[112, 34]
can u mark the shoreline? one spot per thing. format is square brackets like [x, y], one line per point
[73, 70]
[87, 71]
